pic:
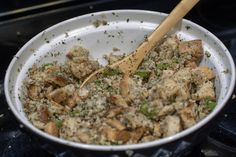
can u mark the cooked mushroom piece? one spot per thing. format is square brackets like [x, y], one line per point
[55, 76]
[115, 124]
[61, 94]
[34, 91]
[43, 114]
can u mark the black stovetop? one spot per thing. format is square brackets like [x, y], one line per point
[17, 27]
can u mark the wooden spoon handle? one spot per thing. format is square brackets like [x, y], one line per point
[130, 63]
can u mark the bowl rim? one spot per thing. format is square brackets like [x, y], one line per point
[150, 144]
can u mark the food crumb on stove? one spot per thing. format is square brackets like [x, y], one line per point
[1, 115]
[18, 33]
[233, 96]
[129, 152]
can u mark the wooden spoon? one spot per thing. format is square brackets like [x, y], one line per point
[131, 62]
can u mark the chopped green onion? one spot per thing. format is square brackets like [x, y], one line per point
[98, 82]
[144, 109]
[110, 72]
[109, 88]
[175, 60]
[143, 74]
[45, 66]
[59, 123]
[163, 66]
[75, 112]
[58, 74]
[210, 104]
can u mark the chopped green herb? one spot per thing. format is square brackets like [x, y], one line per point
[45, 66]
[110, 72]
[143, 74]
[208, 55]
[98, 82]
[187, 27]
[75, 112]
[226, 71]
[114, 142]
[144, 109]
[59, 123]
[58, 74]
[163, 66]
[175, 60]
[109, 88]
[209, 104]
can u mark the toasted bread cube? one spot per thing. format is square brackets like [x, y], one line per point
[115, 124]
[188, 116]
[118, 100]
[192, 48]
[51, 128]
[205, 91]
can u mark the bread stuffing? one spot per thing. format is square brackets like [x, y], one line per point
[168, 93]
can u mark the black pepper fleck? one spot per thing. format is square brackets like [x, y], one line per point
[226, 71]
[187, 27]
